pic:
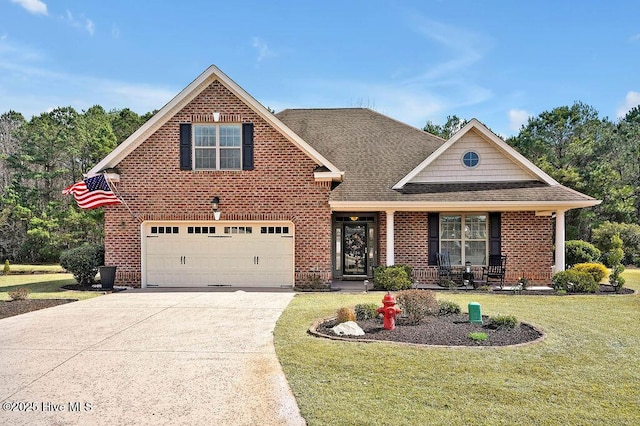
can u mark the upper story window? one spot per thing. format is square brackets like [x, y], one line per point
[470, 159]
[217, 146]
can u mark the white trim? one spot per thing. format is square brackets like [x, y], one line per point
[560, 231]
[328, 176]
[391, 259]
[187, 95]
[440, 206]
[492, 138]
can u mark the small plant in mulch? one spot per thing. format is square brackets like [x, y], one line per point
[447, 307]
[345, 314]
[7, 267]
[478, 336]
[615, 280]
[417, 304]
[21, 293]
[365, 311]
[502, 321]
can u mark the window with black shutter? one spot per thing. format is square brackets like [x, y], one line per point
[219, 146]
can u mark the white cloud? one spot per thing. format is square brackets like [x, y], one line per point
[80, 22]
[631, 100]
[90, 26]
[518, 118]
[263, 49]
[31, 88]
[32, 6]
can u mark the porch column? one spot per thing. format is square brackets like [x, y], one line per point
[559, 241]
[390, 239]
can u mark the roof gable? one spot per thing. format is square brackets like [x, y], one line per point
[189, 93]
[499, 162]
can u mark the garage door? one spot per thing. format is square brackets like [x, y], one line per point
[201, 254]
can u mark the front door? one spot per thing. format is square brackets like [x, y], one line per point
[355, 249]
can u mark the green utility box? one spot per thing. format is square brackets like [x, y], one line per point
[475, 314]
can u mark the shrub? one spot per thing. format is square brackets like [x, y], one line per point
[446, 307]
[616, 281]
[502, 321]
[21, 293]
[417, 304]
[597, 270]
[7, 267]
[365, 311]
[345, 314]
[573, 281]
[83, 262]
[578, 251]
[478, 336]
[393, 278]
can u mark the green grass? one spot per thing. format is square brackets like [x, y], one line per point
[585, 372]
[34, 269]
[43, 286]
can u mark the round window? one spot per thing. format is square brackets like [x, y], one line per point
[470, 159]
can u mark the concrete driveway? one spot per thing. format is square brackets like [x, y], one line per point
[147, 357]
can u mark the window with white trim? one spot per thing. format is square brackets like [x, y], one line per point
[217, 146]
[465, 237]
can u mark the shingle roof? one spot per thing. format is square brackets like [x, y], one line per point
[376, 152]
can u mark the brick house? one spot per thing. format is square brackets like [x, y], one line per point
[307, 196]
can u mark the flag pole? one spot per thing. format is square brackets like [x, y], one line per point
[115, 191]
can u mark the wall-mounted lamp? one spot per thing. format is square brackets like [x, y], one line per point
[215, 206]
[216, 116]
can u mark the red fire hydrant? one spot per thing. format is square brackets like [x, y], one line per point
[389, 311]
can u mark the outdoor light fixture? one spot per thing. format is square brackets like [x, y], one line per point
[215, 205]
[467, 267]
[216, 116]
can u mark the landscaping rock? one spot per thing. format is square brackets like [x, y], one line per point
[349, 328]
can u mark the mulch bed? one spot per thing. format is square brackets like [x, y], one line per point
[442, 330]
[17, 307]
[605, 290]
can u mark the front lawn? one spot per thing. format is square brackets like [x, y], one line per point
[43, 286]
[585, 372]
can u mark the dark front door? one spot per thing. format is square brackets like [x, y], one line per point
[355, 249]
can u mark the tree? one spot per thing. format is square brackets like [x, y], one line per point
[569, 143]
[10, 122]
[445, 131]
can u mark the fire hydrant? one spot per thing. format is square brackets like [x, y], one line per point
[389, 311]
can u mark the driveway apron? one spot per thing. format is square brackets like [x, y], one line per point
[136, 358]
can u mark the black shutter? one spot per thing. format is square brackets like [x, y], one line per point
[185, 146]
[495, 233]
[247, 146]
[433, 220]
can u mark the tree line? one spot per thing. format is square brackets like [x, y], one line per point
[41, 156]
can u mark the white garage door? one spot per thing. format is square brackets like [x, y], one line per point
[201, 254]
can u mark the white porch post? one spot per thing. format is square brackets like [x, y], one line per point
[559, 241]
[390, 239]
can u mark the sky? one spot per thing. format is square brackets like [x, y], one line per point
[414, 60]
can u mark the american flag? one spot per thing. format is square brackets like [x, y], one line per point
[92, 192]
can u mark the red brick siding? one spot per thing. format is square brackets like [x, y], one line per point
[281, 187]
[527, 241]
[411, 239]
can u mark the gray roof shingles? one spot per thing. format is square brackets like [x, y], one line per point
[376, 151]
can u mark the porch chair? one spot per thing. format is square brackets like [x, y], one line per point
[445, 273]
[496, 269]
